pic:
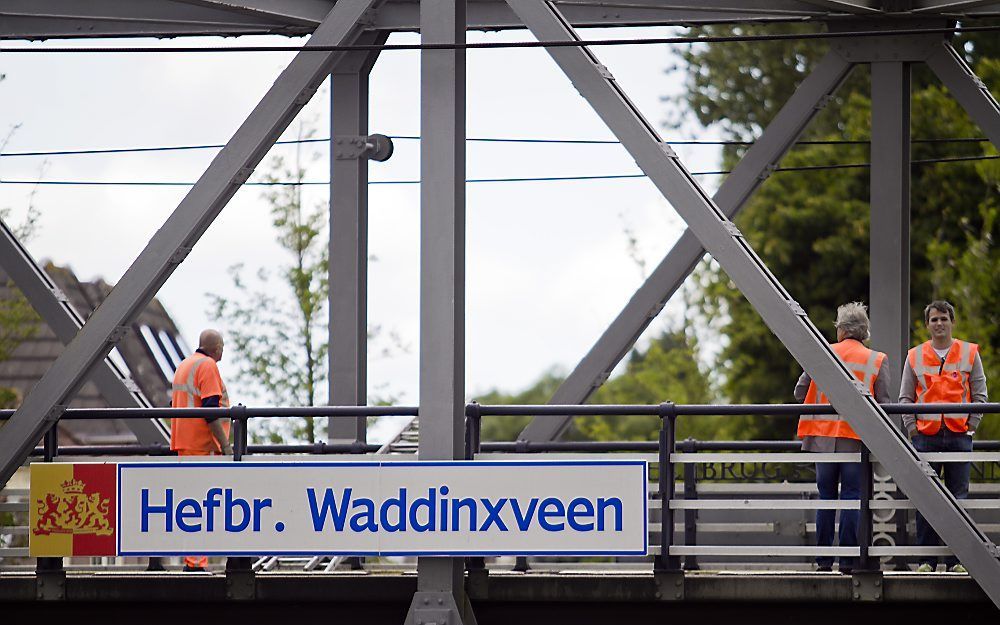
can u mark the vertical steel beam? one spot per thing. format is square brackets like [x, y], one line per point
[442, 277]
[809, 98]
[348, 353]
[968, 89]
[777, 308]
[889, 278]
[185, 226]
[442, 232]
[117, 388]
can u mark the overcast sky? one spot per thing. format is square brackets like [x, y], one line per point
[548, 262]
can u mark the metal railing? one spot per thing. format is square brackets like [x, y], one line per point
[727, 481]
[668, 453]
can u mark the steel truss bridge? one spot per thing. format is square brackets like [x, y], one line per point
[344, 40]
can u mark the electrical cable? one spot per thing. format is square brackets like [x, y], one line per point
[219, 146]
[801, 168]
[491, 45]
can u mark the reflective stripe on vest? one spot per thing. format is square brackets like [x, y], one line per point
[189, 387]
[946, 382]
[864, 364]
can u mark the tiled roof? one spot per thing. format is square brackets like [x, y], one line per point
[149, 352]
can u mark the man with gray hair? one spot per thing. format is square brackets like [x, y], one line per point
[831, 433]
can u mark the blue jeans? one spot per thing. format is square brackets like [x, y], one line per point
[956, 479]
[828, 476]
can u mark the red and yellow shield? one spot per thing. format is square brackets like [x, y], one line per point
[72, 510]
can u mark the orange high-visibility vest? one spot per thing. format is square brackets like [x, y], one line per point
[943, 383]
[196, 377]
[864, 363]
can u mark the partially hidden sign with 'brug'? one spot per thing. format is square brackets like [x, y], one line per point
[346, 508]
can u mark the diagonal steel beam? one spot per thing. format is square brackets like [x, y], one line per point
[809, 98]
[46, 298]
[968, 89]
[780, 312]
[171, 243]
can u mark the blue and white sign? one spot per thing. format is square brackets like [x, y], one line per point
[383, 508]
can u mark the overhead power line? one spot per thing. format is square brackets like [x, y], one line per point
[801, 168]
[492, 45]
[219, 146]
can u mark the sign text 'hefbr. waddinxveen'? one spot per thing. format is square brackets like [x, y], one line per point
[382, 508]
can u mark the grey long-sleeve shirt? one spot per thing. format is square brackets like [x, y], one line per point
[908, 393]
[826, 444]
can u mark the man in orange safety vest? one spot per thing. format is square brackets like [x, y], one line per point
[943, 370]
[198, 384]
[831, 433]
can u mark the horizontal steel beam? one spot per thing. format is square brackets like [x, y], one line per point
[44, 19]
[949, 6]
[861, 7]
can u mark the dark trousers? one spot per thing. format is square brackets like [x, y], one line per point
[956, 480]
[830, 476]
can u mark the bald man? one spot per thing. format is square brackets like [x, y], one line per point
[198, 384]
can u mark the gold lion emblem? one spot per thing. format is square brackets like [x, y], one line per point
[73, 512]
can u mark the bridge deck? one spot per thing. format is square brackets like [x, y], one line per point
[593, 596]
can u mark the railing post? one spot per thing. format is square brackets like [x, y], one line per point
[241, 583]
[477, 430]
[865, 514]
[238, 413]
[690, 514]
[50, 575]
[476, 566]
[668, 417]
[521, 446]
[51, 443]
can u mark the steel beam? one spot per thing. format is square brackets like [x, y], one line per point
[348, 278]
[442, 283]
[863, 7]
[949, 6]
[968, 89]
[42, 19]
[777, 308]
[117, 388]
[174, 240]
[889, 277]
[494, 15]
[755, 166]
[442, 233]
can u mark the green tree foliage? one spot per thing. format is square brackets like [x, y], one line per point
[18, 320]
[666, 370]
[811, 228]
[276, 332]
